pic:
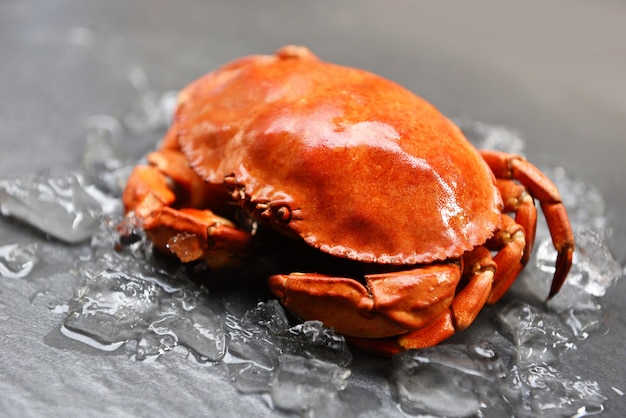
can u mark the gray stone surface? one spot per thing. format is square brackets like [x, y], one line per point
[552, 71]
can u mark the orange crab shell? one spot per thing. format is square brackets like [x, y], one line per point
[354, 164]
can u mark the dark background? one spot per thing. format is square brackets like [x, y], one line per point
[553, 71]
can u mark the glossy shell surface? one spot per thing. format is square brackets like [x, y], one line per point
[367, 170]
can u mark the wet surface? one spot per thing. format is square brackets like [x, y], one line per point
[85, 325]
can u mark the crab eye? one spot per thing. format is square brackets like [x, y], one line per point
[283, 213]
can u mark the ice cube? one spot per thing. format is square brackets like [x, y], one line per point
[312, 340]
[120, 245]
[62, 206]
[253, 336]
[448, 380]
[537, 337]
[594, 269]
[302, 384]
[114, 307]
[585, 322]
[593, 272]
[535, 386]
[138, 78]
[253, 345]
[250, 377]
[548, 393]
[251, 361]
[269, 316]
[268, 323]
[17, 260]
[261, 338]
[201, 331]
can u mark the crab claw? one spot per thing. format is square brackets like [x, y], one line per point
[387, 305]
[192, 234]
[146, 191]
[394, 311]
[189, 234]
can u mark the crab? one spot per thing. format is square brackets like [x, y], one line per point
[353, 170]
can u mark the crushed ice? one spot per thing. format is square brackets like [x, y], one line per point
[128, 301]
[131, 302]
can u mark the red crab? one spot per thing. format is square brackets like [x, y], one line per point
[358, 168]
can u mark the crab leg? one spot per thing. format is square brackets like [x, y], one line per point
[510, 243]
[517, 200]
[480, 271]
[146, 191]
[513, 167]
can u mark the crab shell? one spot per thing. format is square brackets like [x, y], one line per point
[354, 164]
